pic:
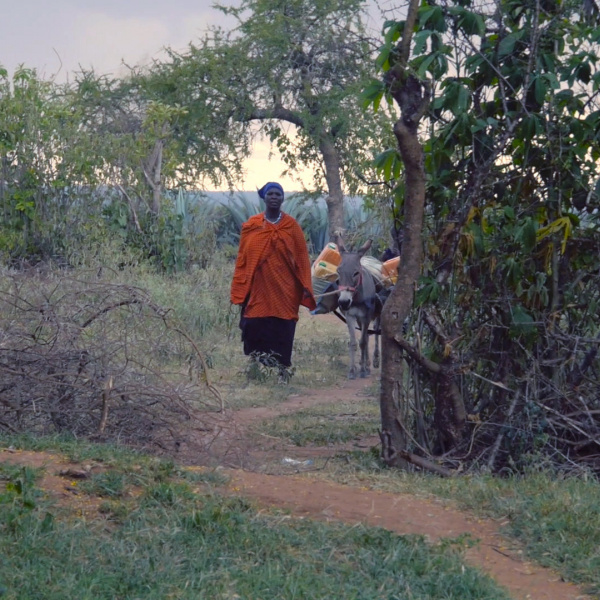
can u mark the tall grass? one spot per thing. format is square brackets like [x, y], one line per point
[199, 299]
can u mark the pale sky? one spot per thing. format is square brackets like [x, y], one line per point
[58, 37]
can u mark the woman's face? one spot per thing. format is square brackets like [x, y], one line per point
[273, 199]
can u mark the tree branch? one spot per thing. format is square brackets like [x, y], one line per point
[277, 112]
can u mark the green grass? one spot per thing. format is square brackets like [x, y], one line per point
[555, 518]
[325, 424]
[81, 450]
[173, 542]
[111, 484]
[315, 363]
[320, 362]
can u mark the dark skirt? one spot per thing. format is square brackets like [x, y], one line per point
[270, 338]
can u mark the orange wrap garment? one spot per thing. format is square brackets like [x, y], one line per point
[272, 271]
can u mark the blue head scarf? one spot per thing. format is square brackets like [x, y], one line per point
[265, 188]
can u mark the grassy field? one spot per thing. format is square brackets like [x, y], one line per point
[176, 538]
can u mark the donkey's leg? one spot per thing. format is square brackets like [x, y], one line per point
[367, 361]
[376, 356]
[364, 348]
[351, 323]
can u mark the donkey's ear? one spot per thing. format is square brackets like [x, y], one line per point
[363, 249]
[340, 243]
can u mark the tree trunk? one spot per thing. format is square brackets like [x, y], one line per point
[335, 196]
[400, 302]
[157, 179]
[450, 415]
[153, 173]
[152, 169]
[412, 96]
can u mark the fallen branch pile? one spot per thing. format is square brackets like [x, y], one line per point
[100, 360]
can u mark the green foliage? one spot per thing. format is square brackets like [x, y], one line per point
[44, 165]
[389, 163]
[92, 163]
[19, 489]
[94, 160]
[296, 70]
[511, 151]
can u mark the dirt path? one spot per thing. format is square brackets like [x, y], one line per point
[256, 471]
[405, 514]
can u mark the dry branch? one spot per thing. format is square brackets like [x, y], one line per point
[97, 359]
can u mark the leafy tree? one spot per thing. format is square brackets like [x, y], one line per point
[294, 68]
[142, 149]
[44, 163]
[509, 283]
[193, 118]
[94, 161]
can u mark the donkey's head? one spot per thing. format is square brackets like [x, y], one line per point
[350, 274]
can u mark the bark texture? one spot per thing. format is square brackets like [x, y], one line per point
[400, 302]
[335, 196]
[412, 96]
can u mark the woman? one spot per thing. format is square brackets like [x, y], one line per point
[271, 280]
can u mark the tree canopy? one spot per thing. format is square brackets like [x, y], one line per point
[295, 69]
[505, 333]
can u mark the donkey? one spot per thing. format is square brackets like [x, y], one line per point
[360, 305]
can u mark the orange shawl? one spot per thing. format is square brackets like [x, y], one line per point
[272, 271]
